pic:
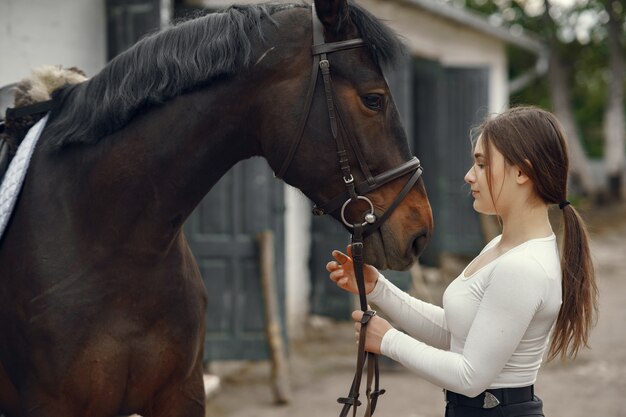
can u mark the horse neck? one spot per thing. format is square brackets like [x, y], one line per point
[207, 133]
[171, 157]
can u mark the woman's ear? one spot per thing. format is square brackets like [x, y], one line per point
[521, 177]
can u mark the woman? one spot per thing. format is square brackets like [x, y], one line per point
[486, 344]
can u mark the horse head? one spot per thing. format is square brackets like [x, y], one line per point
[315, 117]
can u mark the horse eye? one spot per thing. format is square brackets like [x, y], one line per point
[373, 101]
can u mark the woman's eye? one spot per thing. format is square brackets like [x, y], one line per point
[373, 101]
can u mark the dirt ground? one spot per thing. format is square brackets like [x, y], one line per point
[322, 363]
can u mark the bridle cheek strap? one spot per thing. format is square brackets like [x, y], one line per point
[320, 61]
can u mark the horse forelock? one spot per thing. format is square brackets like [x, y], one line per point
[180, 59]
[382, 42]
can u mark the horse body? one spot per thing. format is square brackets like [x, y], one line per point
[102, 306]
[92, 250]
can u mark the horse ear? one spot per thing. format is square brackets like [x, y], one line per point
[334, 15]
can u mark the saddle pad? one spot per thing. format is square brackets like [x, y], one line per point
[12, 182]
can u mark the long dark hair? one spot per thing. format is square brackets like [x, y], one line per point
[533, 140]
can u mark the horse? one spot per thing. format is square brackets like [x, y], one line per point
[102, 307]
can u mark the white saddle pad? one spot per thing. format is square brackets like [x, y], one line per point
[14, 178]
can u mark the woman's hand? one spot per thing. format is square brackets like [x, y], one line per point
[376, 329]
[342, 273]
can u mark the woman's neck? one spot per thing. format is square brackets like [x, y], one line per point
[528, 222]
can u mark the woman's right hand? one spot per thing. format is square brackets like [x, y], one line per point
[342, 273]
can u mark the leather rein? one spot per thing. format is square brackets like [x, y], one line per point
[354, 192]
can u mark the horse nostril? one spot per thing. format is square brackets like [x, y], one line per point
[419, 242]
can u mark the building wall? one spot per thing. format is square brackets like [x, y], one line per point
[38, 32]
[297, 249]
[433, 37]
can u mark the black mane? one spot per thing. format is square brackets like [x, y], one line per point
[177, 60]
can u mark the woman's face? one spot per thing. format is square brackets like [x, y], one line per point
[486, 200]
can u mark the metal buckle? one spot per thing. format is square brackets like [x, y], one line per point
[348, 180]
[324, 64]
[490, 401]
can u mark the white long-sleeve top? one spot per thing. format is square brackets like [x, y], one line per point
[494, 325]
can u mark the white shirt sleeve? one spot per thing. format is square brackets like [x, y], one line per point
[421, 320]
[510, 301]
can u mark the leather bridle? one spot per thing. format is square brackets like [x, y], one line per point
[354, 192]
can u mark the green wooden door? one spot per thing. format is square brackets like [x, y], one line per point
[448, 102]
[222, 230]
[222, 233]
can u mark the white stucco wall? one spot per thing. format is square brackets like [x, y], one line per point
[433, 37]
[38, 32]
[297, 249]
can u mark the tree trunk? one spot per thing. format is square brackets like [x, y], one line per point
[614, 124]
[580, 169]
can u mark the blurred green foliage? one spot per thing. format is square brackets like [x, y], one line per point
[584, 51]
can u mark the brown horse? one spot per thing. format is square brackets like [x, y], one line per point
[102, 306]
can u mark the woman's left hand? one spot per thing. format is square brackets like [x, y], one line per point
[376, 329]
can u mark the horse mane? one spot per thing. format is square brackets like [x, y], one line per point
[179, 59]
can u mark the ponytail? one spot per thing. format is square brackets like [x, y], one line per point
[580, 294]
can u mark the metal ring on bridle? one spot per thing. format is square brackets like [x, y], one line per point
[369, 217]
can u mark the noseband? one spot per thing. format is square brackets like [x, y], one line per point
[353, 193]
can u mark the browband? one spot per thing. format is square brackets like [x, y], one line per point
[326, 48]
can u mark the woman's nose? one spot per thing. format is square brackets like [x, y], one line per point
[469, 176]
